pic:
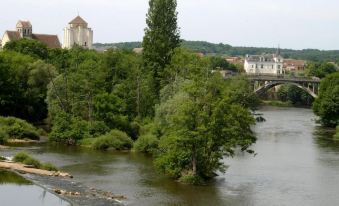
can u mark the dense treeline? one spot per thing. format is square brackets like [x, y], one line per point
[225, 49]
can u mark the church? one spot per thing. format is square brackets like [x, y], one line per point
[78, 33]
[24, 29]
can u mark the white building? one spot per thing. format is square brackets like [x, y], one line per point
[264, 64]
[78, 33]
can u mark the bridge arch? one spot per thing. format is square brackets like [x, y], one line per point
[272, 84]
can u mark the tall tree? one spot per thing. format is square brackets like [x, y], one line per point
[326, 106]
[161, 38]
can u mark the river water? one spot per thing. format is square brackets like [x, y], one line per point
[296, 163]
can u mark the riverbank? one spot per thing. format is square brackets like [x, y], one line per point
[73, 192]
[61, 185]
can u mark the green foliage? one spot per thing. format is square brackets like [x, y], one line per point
[321, 69]
[294, 95]
[30, 47]
[3, 136]
[220, 63]
[115, 139]
[326, 106]
[15, 128]
[200, 123]
[24, 158]
[191, 179]
[20, 157]
[228, 50]
[68, 129]
[240, 92]
[336, 136]
[146, 144]
[49, 167]
[23, 86]
[33, 162]
[161, 38]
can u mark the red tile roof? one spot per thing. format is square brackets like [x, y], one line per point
[13, 35]
[52, 41]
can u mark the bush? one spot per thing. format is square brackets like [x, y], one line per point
[114, 139]
[336, 136]
[24, 158]
[147, 144]
[3, 136]
[17, 129]
[20, 157]
[68, 129]
[33, 162]
[49, 167]
[191, 179]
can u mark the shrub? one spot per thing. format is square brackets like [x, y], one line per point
[336, 136]
[3, 136]
[18, 129]
[191, 179]
[114, 139]
[20, 157]
[68, 129]
[24, 158]
[147, 144]
[49, 166]
[33, 162]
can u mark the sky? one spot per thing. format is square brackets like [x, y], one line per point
[296, 24]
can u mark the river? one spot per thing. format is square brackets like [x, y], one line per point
[296, 163]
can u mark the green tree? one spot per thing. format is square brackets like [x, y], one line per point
[199, 125]
[321, 69]
[29, 47]
[23, 86]
[161, 38]
[326, 106]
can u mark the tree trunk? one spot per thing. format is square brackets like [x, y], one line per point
[194, 161]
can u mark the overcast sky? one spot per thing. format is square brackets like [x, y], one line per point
[294, 24]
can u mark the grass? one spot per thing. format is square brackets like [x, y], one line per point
[24, 158]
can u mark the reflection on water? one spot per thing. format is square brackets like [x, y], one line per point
[297, 163]
[17, 191]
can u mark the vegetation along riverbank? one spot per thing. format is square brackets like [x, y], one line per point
[165, 101]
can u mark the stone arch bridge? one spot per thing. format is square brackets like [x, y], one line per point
[262, 83]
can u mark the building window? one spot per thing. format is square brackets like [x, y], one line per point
[262, 66]
[85, 43]
[278, 66]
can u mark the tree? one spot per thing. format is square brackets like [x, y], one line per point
[29, 47]
[321, 69]
[327, 104]
[161, 38]
[199, 125]
[24, 83]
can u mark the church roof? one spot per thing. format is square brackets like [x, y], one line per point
[78, 20]
[13, 35]
[52, 41]
[24, 24]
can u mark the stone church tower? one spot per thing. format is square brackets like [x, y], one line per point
[78, 33]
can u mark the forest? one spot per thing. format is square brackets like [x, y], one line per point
[228, 50]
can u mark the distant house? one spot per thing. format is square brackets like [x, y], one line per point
[78, 33]
[264, 64]
[294, 65]
[138, 50]
[24, 29]
[235, 60]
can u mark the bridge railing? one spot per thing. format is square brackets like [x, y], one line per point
[282, 77]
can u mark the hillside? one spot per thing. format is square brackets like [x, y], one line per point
[228, 50]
